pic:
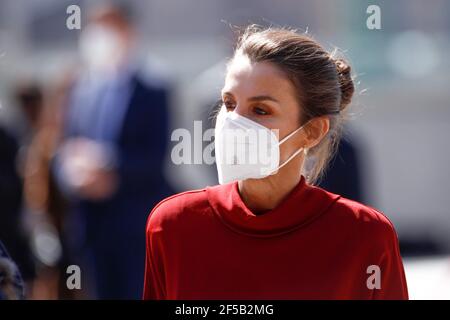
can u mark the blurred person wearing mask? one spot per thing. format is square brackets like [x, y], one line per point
[110, 160]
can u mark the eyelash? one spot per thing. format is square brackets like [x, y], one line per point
[265, 113]
[257, 110]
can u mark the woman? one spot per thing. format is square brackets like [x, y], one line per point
[267, 232]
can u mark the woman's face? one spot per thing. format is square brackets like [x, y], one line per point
[262, 92]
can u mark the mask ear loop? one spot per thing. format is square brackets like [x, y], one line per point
[296, 152]
[292, 157]
[292, 133]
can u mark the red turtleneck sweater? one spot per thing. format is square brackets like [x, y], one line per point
[206, 244]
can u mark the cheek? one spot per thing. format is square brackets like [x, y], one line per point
[288, 122]
[285, 123]
[280, 125]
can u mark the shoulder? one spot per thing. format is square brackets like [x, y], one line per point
[360, 222]
[368, 223]
[176, 209]
[354, 212]
[150, 85]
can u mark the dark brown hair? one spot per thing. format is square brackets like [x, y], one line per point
[323, 83]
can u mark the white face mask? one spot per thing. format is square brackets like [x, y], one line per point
[245, 149]
[101, 48]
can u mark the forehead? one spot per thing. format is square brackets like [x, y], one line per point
[254, 78]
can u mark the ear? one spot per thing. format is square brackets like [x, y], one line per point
[316, 129]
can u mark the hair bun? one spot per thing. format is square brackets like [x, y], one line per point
[346, 82]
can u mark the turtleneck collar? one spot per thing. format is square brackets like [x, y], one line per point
[301, 206]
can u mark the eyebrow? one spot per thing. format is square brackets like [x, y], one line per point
[261, 98]
[257, 98]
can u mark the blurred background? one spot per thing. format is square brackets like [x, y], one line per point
[77, 180]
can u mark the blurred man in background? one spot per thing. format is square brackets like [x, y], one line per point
[111, 157]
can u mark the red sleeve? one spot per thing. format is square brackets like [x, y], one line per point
[393, 280]
[159, 243]
[154, 283]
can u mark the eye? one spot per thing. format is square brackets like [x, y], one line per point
[229, 105]
[260, 111]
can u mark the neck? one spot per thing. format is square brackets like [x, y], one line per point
[265, 194]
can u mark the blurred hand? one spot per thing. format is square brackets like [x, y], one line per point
[100, 184]
[86, 169]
